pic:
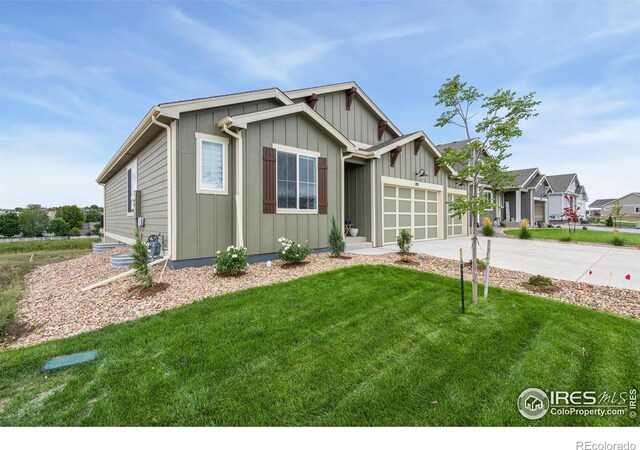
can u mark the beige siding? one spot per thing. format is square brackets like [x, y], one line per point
[262, 231]
[152, 184]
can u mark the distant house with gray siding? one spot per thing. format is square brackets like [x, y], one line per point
[630, 205]
[566, 191]
[245, 169]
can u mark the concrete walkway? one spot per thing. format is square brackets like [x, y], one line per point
[609, 265]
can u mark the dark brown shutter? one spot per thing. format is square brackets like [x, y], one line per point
[322, 185]
[269, 180]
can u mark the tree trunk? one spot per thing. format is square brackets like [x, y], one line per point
[474, 250]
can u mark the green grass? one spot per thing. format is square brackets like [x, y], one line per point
[40, 246]
[579, 235]
[18, 259]
[367, 345]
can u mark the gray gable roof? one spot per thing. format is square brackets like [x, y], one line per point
[560, 183]
[535, 181]
[457, 145]
[601, 202]
[522, 175]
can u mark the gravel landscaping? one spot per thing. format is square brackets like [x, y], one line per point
[54, 306]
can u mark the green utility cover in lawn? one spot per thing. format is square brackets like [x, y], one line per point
[61, 362]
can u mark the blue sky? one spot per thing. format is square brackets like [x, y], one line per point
[75, 77]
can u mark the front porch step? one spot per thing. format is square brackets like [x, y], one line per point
[356, 243]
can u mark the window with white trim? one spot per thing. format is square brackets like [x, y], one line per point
[297, 181]
[132, 186]
[211, 164]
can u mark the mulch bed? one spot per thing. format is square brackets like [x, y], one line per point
[540, 289]
[137, 292]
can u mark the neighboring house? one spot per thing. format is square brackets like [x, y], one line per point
[566, 191]
[630, 206]
[595, 208]
[245, 169]
[527, 198]
[484, 189]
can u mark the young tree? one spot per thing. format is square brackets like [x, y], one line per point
[570, 214]
[336, 238]
[72, 215]
[481, 159]
[33, 221]
[616, 212]
[140, 264]
[9, 224]
[59, 227]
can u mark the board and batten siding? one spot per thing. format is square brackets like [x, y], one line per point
[359, 123]
[261, 231]
[152, 184]
[406, 166]
[205, 222]
[358, 197]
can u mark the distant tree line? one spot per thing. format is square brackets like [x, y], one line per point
[33, 221]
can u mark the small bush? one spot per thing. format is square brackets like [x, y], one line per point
[487, 227]
[480, 263]
[609, 221]
[524, 233]
[616, 239]
[292, 252]
[336, 238]
[566, 238]
[404, 241]
[231, 261]
[503, 224]
[549, 225]
[539, 280]
[143, 274]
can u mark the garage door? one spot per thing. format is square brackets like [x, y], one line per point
[456, 226]
[410, 209]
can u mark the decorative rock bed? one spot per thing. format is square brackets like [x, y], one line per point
[54, 307]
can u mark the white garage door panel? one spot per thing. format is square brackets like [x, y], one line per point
[410, 209]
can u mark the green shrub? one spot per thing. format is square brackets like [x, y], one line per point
[550, 225]
[404, 240]
[72, 215]
[231, 261]
[9, 224]
[503, 224]
[487, 227]
[143, 274]
[292, 252]
[616, 239]
[609, 221]
[336, 238]
[566, 238]
[524, 232]
[539, 280]
[480, 263]
[75, 231]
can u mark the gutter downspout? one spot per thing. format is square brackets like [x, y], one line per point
[169, 183]
[239, 181]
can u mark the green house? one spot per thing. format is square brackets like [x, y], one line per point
[248, 168]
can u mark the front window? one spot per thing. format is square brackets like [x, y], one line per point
[212, 164]
[297, 181]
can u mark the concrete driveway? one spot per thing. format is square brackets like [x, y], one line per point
[608, 265]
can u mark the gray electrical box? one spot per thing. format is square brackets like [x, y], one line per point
[140, 222]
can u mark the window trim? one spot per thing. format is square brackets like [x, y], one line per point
[134, 187]
[490, 198]
[203, 137]
[298, 152]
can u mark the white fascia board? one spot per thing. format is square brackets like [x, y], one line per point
[343, 87]
[173, 110]
[243, 120]
[144, 124]
[411, 184]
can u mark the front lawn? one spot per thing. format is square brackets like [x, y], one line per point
[365, 345]
[580, 235]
